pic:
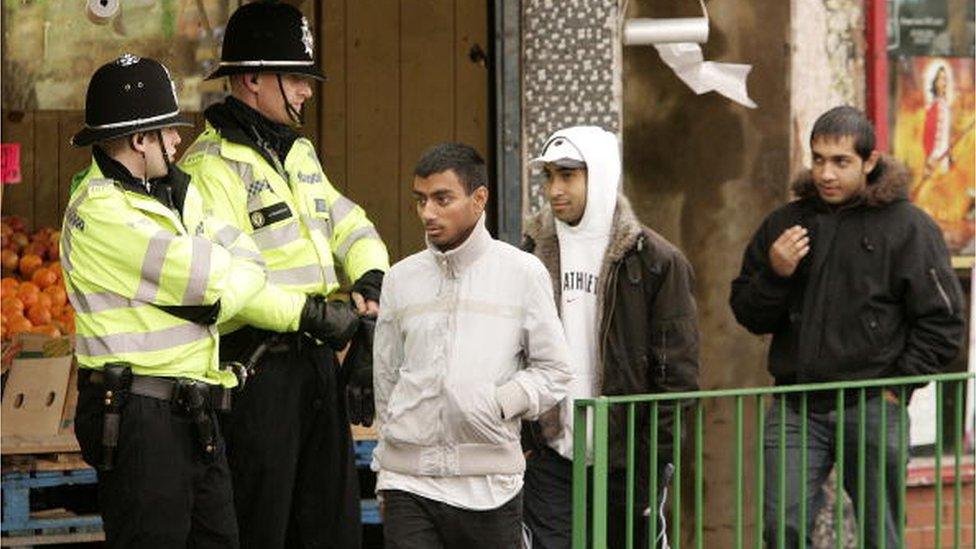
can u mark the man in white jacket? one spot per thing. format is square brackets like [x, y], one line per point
[467, 344]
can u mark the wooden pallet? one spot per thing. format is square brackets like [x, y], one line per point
[22, 475]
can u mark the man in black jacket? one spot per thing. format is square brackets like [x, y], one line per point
[854, 283]
[626, 304]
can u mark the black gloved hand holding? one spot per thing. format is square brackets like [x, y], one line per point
[358, 374]
[333, 322]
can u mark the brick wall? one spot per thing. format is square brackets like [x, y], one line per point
[921, 505]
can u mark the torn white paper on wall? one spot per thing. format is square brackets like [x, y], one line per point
[687, 61]
[678, 42]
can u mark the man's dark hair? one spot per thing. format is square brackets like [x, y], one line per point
[846, 121]
[462, 159]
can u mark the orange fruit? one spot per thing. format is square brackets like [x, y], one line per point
[44, 300]
[30, 263]
[39, 315]
[10, 305]
[8, 286]
[9, 260]
[57, 295]
[17, 325]
[68, 318]
[28, 292]
[44, 277]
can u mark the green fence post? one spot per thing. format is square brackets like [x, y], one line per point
[579, 475]
[781, 475]
[631, 443]
[738, 472]
[676, 489]
[653, 504]
[601, 446]
[902, 463]
[957, 481]
[882, 498]
[699, 479]
[839, 472]
[939, 424]
[760, 473]
[862, 435]
[804, 466]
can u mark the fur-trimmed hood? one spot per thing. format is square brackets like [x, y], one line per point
[889, 183]
[624, 234]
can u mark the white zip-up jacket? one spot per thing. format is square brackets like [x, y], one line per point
[467, 344]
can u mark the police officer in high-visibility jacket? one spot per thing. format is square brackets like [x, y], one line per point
[289, 442]
[149, 277]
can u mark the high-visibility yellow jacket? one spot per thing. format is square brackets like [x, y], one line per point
[296, 217]
[125, 255]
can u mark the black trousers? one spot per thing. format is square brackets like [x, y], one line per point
[163, 492]
[414, 522]
[291, 454]
[549, 503]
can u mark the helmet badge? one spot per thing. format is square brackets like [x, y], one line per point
[127, 60]
[307, 39]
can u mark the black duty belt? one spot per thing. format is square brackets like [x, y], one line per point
[165, 388]
[240, 344]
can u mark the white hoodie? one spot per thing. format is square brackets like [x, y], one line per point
[581, 251]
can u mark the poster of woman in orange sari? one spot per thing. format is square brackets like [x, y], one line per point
[933, 134]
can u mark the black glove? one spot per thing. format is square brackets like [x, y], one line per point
[369, 285]
[358, 373]
[333, 322]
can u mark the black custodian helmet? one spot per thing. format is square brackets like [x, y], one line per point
[267, 36]
[126, 96]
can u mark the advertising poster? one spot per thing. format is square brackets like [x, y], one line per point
[933, 134]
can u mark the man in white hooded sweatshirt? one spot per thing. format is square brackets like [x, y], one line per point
[467, 344]
[625, 299]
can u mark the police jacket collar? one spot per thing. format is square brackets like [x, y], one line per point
[239, 123]
[170, 190]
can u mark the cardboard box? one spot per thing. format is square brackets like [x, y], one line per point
[36, 388]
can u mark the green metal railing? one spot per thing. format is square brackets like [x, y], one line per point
[591, 481]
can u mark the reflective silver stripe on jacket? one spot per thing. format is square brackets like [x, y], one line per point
[268, 238]
[321, 225]
[206, 147]
[227, 237]
[98, 302]
[66, 252]
[297, 276]
[199, 275]
[75, 221]
[362, 233]
[152, 266]
[141, 342]
[340, 209]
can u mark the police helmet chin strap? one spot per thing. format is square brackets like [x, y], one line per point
[162, 150]
[298, 117]
[144, 179]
